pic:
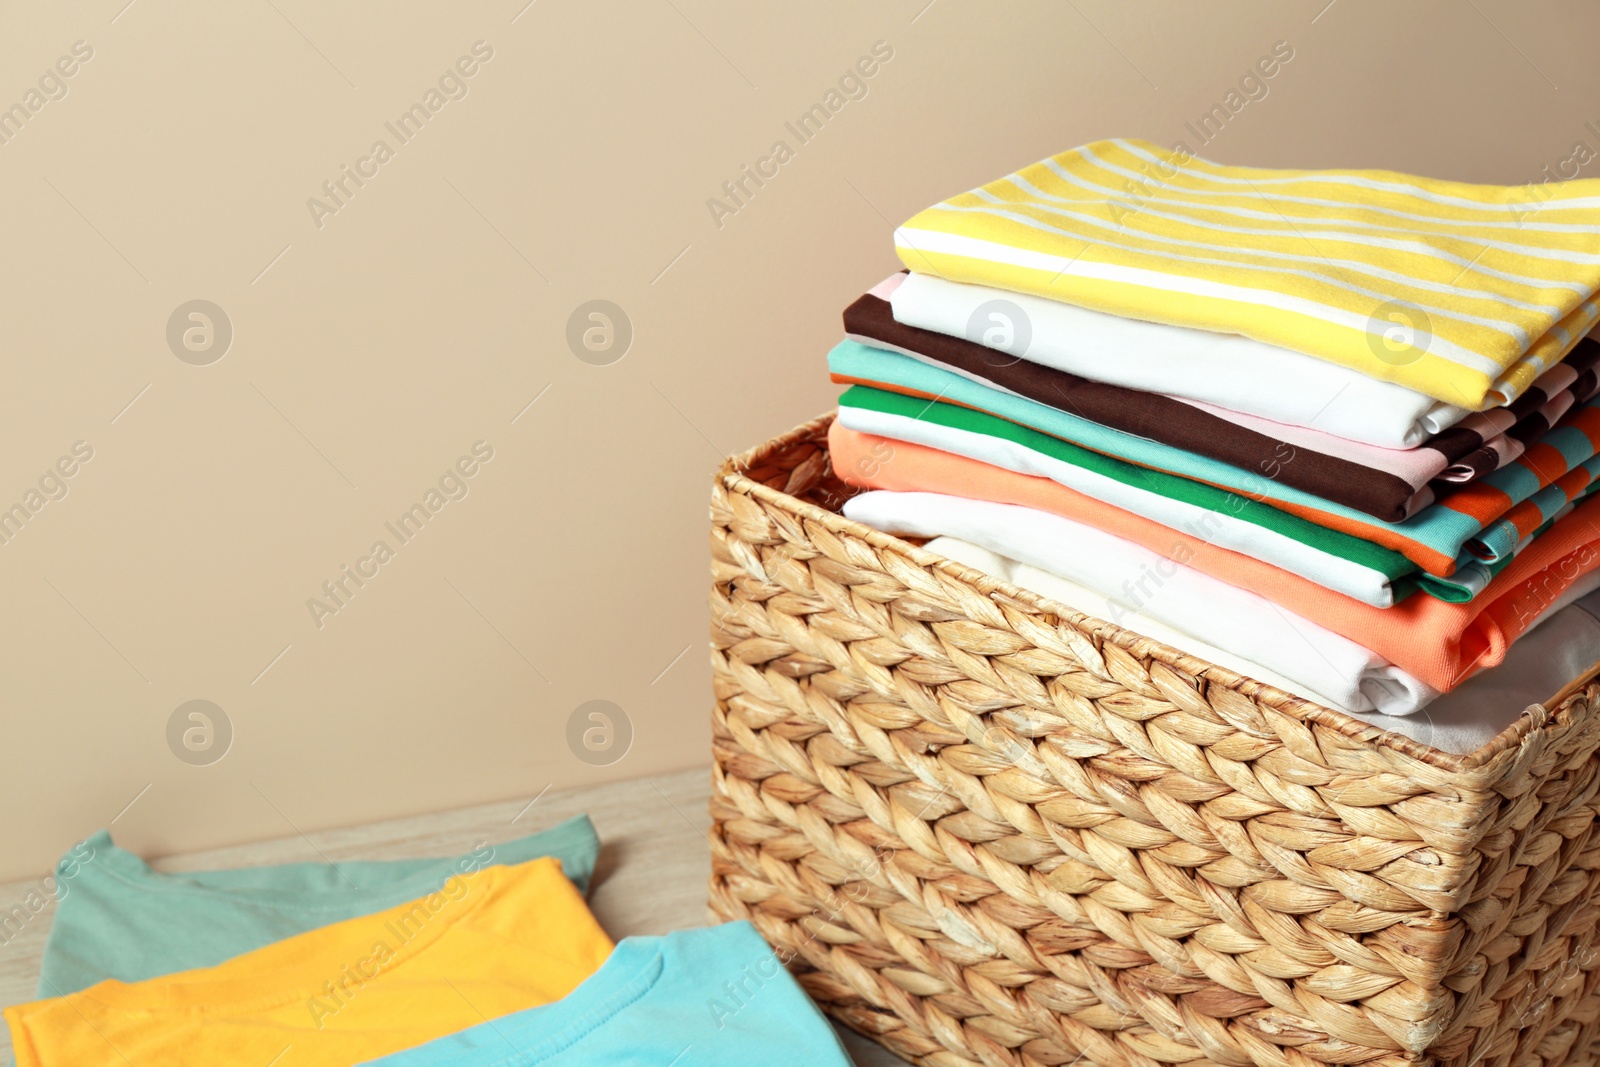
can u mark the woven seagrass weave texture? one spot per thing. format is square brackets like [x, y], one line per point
[985, 829]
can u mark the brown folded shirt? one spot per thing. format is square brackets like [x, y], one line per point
[1477, 445]
[1552, 403]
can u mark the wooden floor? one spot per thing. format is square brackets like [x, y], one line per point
[654, 863]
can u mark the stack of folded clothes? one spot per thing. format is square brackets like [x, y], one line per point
[1333, 430]
[490, 957]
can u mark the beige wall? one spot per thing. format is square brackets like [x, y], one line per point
[375, 344]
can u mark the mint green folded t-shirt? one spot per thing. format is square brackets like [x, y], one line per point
[117, 918]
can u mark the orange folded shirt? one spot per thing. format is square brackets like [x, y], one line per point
[486, 944]
[1440, 643]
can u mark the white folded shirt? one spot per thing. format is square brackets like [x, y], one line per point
[1092, 602]
[1033, 549]
[1558, 649]
[1104, 575]
[1228, 370]
[1219, 527]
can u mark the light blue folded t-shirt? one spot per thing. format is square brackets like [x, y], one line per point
[117, 918]
[714, 997]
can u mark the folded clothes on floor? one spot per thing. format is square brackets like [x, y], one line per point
[1541, 662]
[1387, 483]
[696, 998]
[1436, 642]
[497, 940]
[1457, 291]
[1124, 583]
[117, 918]
[1224, 369]
[480, 963]
[1433, 539]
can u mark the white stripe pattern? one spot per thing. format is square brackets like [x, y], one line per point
[1497, 282]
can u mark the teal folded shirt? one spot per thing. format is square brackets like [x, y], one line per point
[117, 918]
[716, 997]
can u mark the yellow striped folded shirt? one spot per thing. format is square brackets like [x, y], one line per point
[1463, 292]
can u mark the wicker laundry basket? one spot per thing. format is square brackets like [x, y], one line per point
[983, 828]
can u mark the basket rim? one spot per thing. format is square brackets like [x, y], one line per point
[1535, 721]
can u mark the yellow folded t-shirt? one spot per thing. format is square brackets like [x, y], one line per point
[1465, 293]
[487, 943]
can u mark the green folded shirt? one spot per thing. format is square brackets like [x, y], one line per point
[1404, 577]
[117, 918]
